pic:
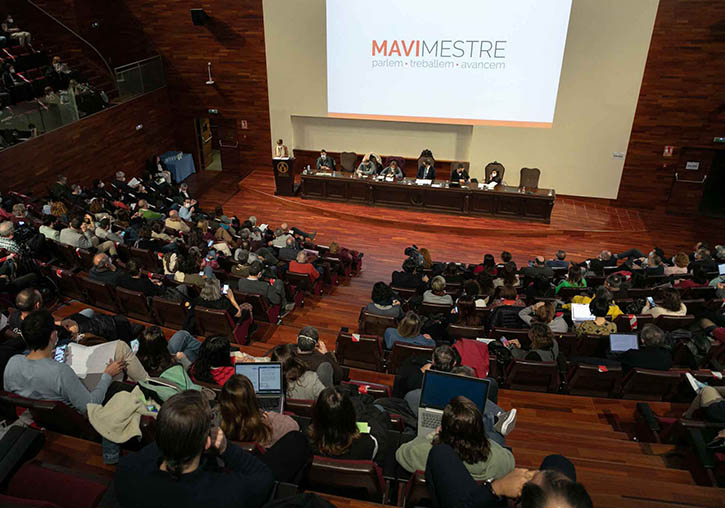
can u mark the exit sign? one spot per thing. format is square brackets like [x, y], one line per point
[718, 140]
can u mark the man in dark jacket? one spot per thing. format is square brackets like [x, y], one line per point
[651, 353]
[410, 278]
[313, 353]
[105, 271]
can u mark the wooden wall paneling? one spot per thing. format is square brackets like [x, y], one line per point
[681, 99]
[94, 147]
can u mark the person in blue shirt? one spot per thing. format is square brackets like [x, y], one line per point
[408, 331]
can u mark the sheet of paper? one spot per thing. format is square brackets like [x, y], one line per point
[363, 427]
[580, 312]
[90, 360]
[421, 181]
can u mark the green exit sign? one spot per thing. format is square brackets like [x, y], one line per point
[718, 140]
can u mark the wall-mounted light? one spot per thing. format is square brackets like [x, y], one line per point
[210, 81]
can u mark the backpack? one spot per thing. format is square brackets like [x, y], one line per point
[171, 381]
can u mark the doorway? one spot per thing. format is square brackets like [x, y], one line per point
[712, 203]
[208, 152]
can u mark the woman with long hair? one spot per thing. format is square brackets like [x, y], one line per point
[408, 331]
[214, 364]
[461, 428]
[334, 431]
[573, 279]
[298, 381]
[243, 420]
[384, 302]
[154, 355]
[671, 305]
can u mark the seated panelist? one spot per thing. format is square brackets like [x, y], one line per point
[494, 178]
[460, 175]
[393, 170]
[367, 167]
[426, 171]
[325, 162]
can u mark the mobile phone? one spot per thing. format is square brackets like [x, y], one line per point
[59, 354]
[201, 273]
[651, 301]
[123, 233]
[225, 289]
[505, 342]
[22, 223]
[210, 243]
[134, 345]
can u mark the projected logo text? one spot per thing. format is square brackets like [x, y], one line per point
[443, 53]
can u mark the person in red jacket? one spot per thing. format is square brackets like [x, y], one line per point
[300, 265]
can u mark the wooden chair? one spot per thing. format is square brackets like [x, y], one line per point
[85, 258]
[669, 323]
[402, 351]
[374, 324]
[425, 309]
[568, 293]
[299, 407]
[532, 376]
[375, 390]
[405, 294]
[646, 384]
[530, 178]
[362, 479]
[170, 313]
[261, 309]
[624, 324]
[66, 282]
[520, 334]
[414, 492]
[100, 294]
[699, 293]
[66, 254]
[147, 259]
[591, 346]
[456, 331]
[347, 161]
[365, 352]
[304, 282]
[135, 305]
[589, 380]
[210, 322]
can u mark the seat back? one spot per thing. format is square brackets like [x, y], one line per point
[362, 479]
[530, 178]
[695, 307]
[67, 284]
[261, 308]
[210, 322]
[66, 253]
[135, 305]
[466, 166]
[85, 258]
[591, 345]
[170, 313]
[624, 322]
[348, 160]
[697, 293]
[415, 492]
[532, 376]
[520, 334]
[404, 293]
[425, 309]
[591, 381]
[401, 351]
[60, 488]
[373, 324]
[641, 292]
[495, 166]
[568, 293]
[421, 160]
[396, 158]
[669, 323]
[301, 281]
[299, 407]
[101, 294]
[646, 384]
[53, 415]
[365, 352]
[375, 390]
[147, 259]
[456, 331]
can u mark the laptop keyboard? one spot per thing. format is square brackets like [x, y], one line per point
[268, 404]
[431, 420]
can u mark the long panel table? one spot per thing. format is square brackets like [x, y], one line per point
[503, 201]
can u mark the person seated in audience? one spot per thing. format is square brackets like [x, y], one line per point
[334, 432]
[393, 170]
[297, 232]
[507, 257]
[559, 260]
[173, 221]
[537, 269]
[407, 332]
[280, 149]
[573, 279]
[10, 29]
[597, 265]
[87, 322]
[104, 233]
[186, 211]
[157, 355]
[699, 279]
[26, 301]
[280, 238]
[325, 162]
[48, 229]
[427, 259]
[464, 313]
[38, 375]
[652, 353]
[7, 235]
[462, 427]
[411, 371]
[708, 399]
[680, 263]
[506, 295]
[314, 354]
[214, 364]
[545, 313]
[460, 175]
[605, 293]
[453, 274]
[488, 266]
[507, 275]
[105, 271]
[143, 210]
[79, 234]
[554, 485]
[211, 297]
[181, 468]
[671, 305]
[367, 167]
[157, 233]
[410, 277]
[599, 307]
[189, 272]
[60, 191]
[384, 302]
[242, 419]
[437, 292]
[138, 281]
[241, 267]
[703, 258]
[299, 382]
[426, 171]
[290, 250]
[543, 347]
[272, 290]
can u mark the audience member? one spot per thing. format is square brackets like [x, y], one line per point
[671, 305]
[407, 332]
[681, 261]
[314, 354]
[652, 352]
[299, 381]
[573, 279]
[384, 302]
[214, 364]
[599, 307]
[544, 312]
[105, 271]
[410, 277]
[273, 290]
[437, 292]
[543, 347]
[559, 260]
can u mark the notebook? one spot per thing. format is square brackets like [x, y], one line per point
[580, 312]
[266, 378]
[438, 389]
[85, 360]
[620, 342]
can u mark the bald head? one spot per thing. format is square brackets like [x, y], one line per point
[284, 226]
[28, 300]
[302, 257]
[101, 260]
[173, 214]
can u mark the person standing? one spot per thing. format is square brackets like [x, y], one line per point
[280, 149]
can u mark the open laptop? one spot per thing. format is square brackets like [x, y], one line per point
[438, 389]
[721, 269]
[266, 378]
[621, 342]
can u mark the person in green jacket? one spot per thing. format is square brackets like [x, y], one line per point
[461, 428]
[573, 279]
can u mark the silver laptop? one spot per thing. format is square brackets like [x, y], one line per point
[266, 378]
[438, 389]
[621, 342]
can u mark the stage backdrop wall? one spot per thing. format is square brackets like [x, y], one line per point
[606, 51]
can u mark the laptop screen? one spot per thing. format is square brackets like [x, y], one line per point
[266, 378]
[619, 342]
[440, 387]
[721, 269]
